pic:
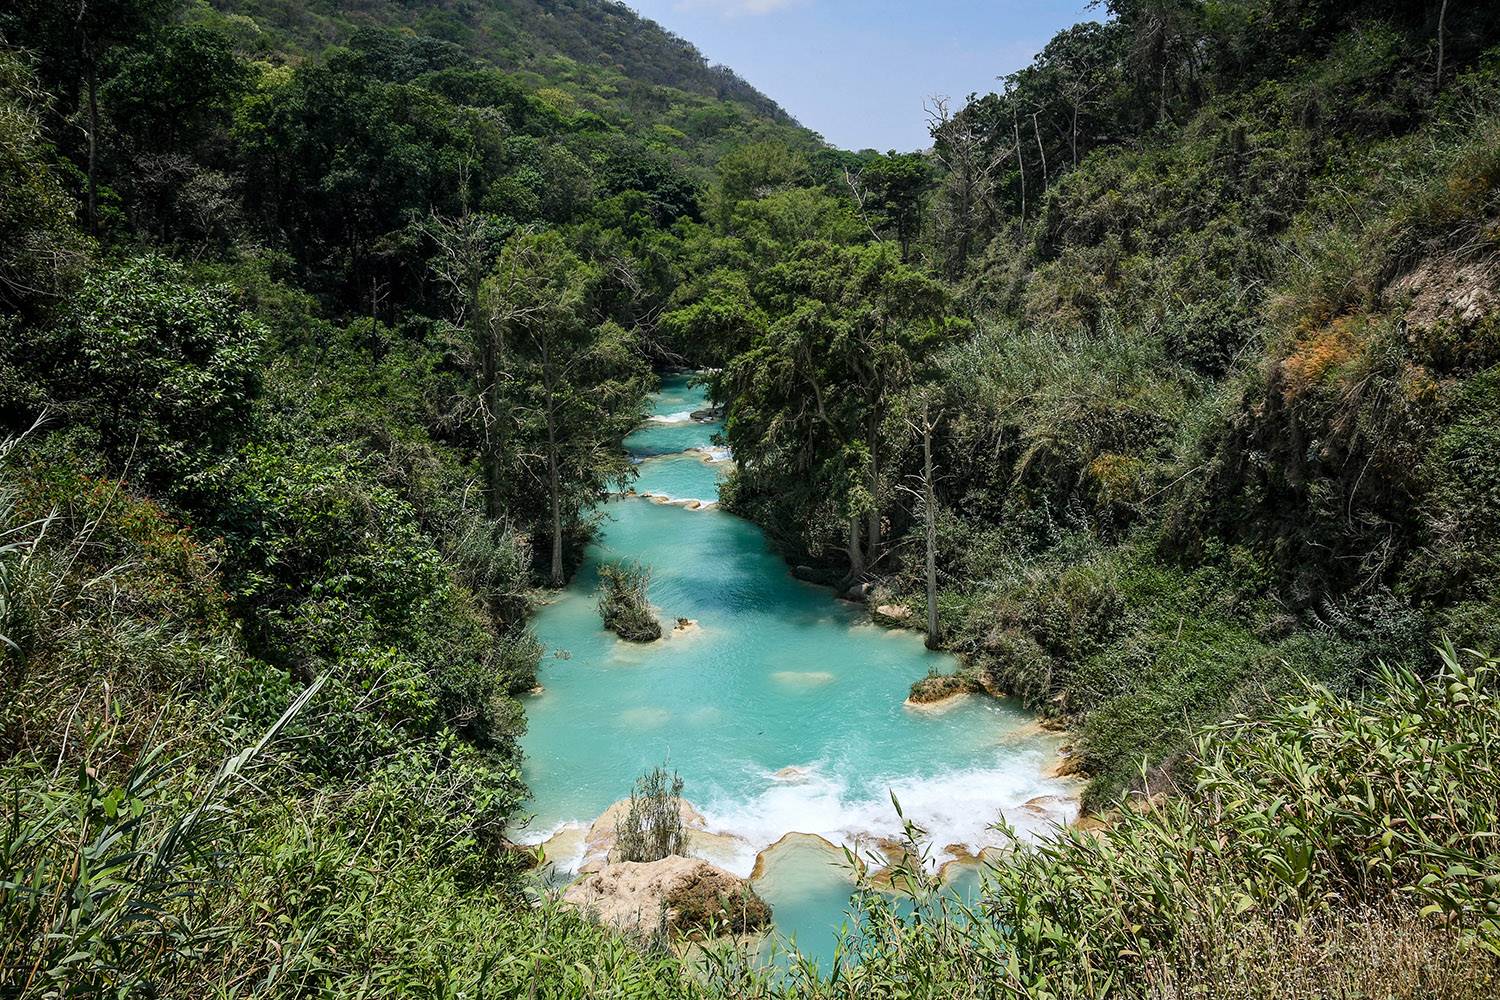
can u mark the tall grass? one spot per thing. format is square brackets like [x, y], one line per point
[652, 827]
[103, 884]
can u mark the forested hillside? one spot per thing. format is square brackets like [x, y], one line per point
[1163, 389]
[598, 36]
[1201, 311]
[594, 55]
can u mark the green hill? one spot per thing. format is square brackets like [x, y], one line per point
[603, 55]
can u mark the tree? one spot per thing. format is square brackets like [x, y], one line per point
[925, 424]
[753, 171]
[38, 241]
[73, 39]
[891, 190]
[851, 329]
[965, 146]
[722, 320]
[345, 168]
[169, 107]
[577, 384]
[464, 249]
[1082, 64]
[164, 370]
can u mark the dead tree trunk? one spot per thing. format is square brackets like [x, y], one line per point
[1437, 82]
[1015, 125]
[929, 503]
[554, 476]
[1037, 131]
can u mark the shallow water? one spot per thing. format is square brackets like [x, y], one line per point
[778, 674]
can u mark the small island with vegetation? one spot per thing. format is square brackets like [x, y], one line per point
[623, 602]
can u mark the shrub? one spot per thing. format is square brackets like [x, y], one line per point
[652, 828]
[623, 603]
[163, 369]
[703, 905]
[936, 687]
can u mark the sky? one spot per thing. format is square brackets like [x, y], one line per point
[858, 71]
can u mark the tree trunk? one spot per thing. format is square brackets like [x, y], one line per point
[1036, 130]
[1437, 82]
[554, 488]
[856, 552]
[495, 426]
[930, 502]
[1075, 135]
[1015, 125]
[873, 531]
[494, 433]
[93, 87]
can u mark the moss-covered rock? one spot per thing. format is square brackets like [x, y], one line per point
[937, 687]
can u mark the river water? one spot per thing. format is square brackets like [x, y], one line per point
[782, 708]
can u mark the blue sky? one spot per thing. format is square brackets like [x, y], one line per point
[858, 70]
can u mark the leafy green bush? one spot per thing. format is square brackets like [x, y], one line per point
[164, 370]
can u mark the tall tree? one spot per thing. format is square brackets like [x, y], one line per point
[464, 248]
[966, 145]
[577, 383]
[926, 423]
[891, 191]
[852, 327]
[73, 38]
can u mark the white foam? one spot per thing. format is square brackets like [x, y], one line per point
[690, 503]
[680, 417]
[569, 839]
[714, 454]
[955, 808]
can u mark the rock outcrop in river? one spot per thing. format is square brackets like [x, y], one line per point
[677, 894]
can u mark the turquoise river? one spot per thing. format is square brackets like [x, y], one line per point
[782, 708]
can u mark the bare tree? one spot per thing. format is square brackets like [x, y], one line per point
[925, 426]
[861, 196]
[462, 257]
[1015, 125]
[963, 146]
[1037, 131]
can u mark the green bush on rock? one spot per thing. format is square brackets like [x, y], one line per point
[623, 603]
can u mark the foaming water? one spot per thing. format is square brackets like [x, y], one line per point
[782, 709]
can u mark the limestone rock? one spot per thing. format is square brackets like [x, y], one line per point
[684, 893]
[1067, 765]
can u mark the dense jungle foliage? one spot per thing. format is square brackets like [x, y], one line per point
[321, 325]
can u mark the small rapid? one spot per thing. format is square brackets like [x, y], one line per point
[781, 706]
